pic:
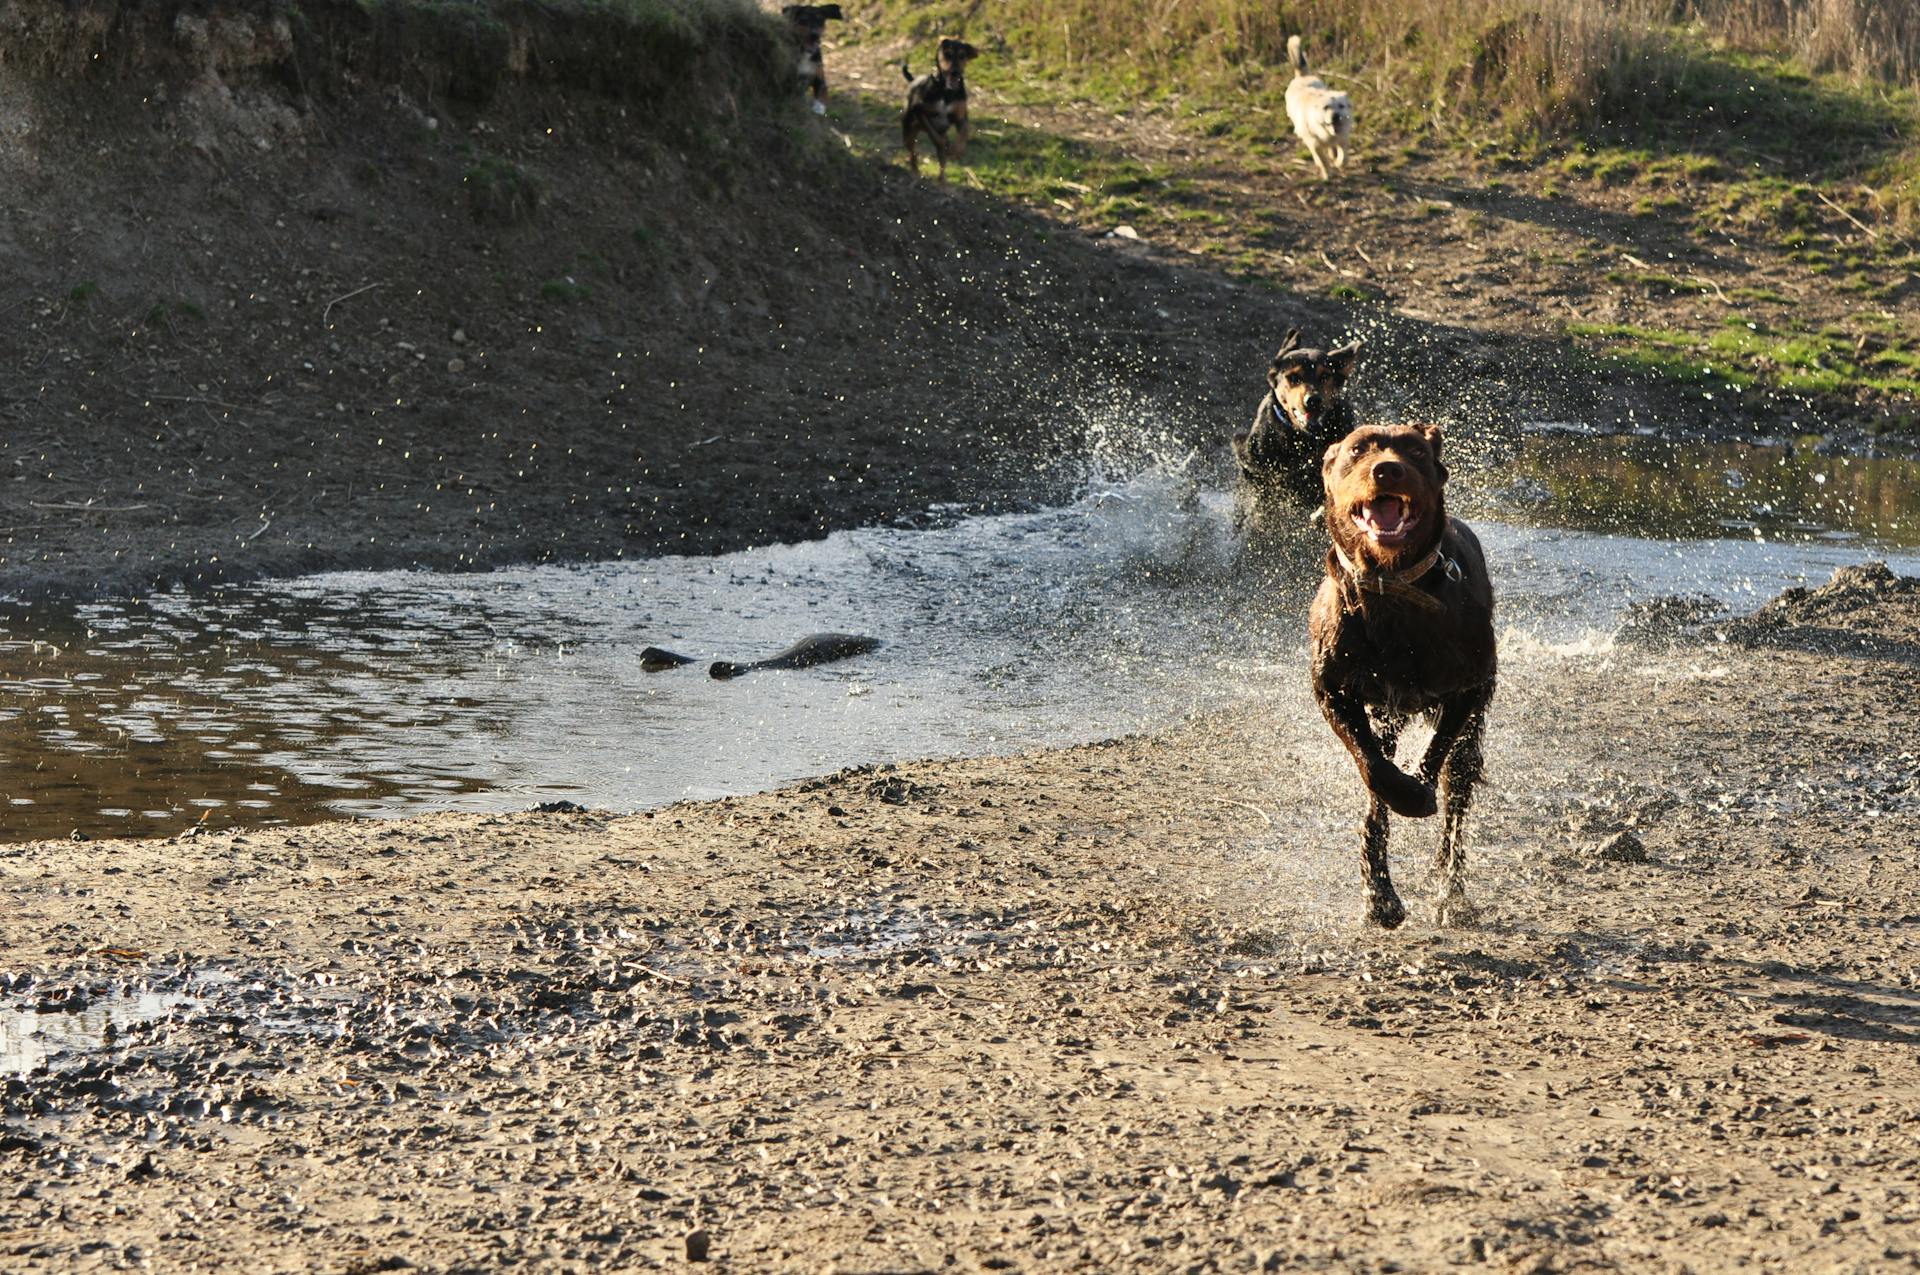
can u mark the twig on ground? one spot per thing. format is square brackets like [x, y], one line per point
[1246, 805]
[1871, 232]
[183, 398]
[346, 296]
[84, 506]
[1717, 291]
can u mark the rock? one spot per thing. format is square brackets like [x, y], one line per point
[698, 1242]
[1623, 847]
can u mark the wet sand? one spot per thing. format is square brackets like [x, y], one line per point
[1099, 1008]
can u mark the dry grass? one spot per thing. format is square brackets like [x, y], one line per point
[1865, 39]
[1557, 65]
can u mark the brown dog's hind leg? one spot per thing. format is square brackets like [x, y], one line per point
[909, 137]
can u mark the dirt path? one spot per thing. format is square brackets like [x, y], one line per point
[1091, 1009]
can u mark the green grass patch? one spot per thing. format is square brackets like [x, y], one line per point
[1744, 353]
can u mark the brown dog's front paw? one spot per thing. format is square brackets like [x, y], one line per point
[1385, 910]
[1403, 794]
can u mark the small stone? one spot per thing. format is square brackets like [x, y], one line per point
[698, 1243]
[1623, 847]
[456, 365]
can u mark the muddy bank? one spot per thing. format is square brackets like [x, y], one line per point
[1099, 1008]
[279, 323]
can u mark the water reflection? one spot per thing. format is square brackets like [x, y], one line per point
[1657, 487]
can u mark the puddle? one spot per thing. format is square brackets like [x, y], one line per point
[32, 1038]
[393, 693]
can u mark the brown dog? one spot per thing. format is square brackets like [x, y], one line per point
[1403, 625]
[937, 104]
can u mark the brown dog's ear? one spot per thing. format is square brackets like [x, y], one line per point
[832, 11]
[1287, 343]
[1435, 436]
[1345, 357]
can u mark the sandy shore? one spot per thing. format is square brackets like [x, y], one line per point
[1100, 1008]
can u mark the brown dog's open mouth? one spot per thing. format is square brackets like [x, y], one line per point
[1386, 520]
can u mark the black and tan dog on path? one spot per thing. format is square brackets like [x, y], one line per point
[809, 22]
[1306, 410]
[937, 104]
[1403, 626]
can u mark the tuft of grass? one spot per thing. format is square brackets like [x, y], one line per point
[501, 192]
[1345, 291]
[565, 289]
[162, 313]
[83, 292]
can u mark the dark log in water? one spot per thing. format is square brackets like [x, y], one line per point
[815, 648]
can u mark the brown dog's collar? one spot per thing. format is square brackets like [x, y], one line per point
[1403, 583]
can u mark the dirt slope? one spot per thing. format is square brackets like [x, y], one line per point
[258, 323]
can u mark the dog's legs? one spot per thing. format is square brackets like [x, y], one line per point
[962, 134]
[1403, 794]
[1456, 758]
[910, 138]
[1313, 149]
[1339, 156]
[1384, 908]
[940, 149]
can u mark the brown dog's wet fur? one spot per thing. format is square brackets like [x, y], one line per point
[937, 105]
[1403, 625]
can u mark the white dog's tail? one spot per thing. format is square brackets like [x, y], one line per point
[1296, 55]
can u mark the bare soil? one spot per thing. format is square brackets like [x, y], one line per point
[1101, 1008]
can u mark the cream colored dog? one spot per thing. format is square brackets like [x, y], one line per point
[1322, 118]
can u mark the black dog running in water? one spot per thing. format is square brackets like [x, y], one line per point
[1305, 411]
[815, 648]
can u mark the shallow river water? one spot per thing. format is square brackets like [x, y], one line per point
[391, 693]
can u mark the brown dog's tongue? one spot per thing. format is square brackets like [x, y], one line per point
[1387, 513]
